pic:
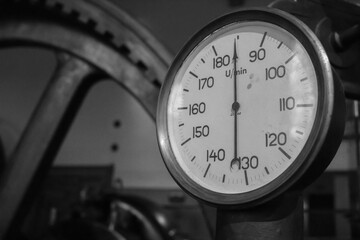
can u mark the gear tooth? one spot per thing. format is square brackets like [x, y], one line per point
[118, 44]
[119, 41]
[91, 23]
[39, 2]
[19, 1]
[75, 14]
[82, 19]
[123, 49]
[106, 32]
[108, 35]
[151, 77]
[51, 3]
[142, 66]
[33, 1]
[66, 9]
[156, 82]
[55, 4]
[135, 60]
[98, 28]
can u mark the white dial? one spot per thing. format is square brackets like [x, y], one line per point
[242, 107]
[246, 108]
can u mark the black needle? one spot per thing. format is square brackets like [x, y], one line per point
[235, 106]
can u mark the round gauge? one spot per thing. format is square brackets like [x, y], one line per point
[247, 109]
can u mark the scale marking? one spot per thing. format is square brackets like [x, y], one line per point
[207, 169]
[285, 153]
[193, 74]
[246, 178]
[287, 61]
[263, 39]
[299, 132]
[187, 140]
[213, 48]
[305, 105]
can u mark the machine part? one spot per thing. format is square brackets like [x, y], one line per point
[141, 216]
[132, 217]
[343, 40]
[343, 56]
[8, 133]
[95, 41]
[239, 124]
[327, 18]
[280, 219]
[80, 229]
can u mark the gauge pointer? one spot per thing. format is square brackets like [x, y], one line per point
[235, 107]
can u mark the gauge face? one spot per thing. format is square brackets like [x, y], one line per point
[241, 110]
[242, 107]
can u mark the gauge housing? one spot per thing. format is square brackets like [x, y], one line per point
[325, 136]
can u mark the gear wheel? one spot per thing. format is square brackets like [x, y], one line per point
[121, 30]
[94, 40]
[102, 20]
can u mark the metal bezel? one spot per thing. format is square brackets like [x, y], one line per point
[310, 153]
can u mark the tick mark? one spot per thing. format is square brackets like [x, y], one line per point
[287, 61]
[304, 105]
[203, 60]
[193, 74]
[280, 45]
[246, 178]
[207, 169]
[267, 170]
[214, 50]
[303, 79]
[193, 158]
[285, 153]
[263, 39]
[223, 180]
[181, 124]
[185, 141]
[182, 108]
[299, 132]
[186, 90]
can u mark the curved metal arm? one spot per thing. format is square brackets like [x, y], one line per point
[39, 144]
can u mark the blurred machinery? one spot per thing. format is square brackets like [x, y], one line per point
[98, 40]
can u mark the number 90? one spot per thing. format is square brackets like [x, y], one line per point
[257, 55]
